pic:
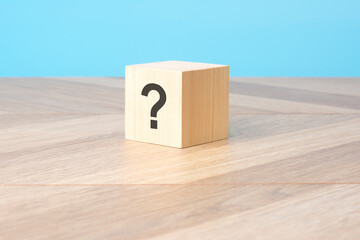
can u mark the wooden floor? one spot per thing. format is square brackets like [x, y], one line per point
[289, 170]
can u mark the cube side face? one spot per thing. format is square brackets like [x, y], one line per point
[221, 82]
[205, 106]
[139, 101]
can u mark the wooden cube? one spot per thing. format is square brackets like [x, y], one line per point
[178, 104]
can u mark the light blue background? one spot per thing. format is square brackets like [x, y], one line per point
[254, 37]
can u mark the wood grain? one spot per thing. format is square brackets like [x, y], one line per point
[289, 170]
[205, 106]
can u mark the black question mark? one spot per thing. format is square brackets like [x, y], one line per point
[158, 104]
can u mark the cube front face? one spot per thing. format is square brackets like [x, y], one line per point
[196, 109]
[138, 107]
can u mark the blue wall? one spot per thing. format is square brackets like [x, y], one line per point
[254, 37]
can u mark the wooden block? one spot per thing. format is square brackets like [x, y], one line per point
[178, 104]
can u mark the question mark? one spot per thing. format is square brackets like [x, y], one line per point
[158, 104]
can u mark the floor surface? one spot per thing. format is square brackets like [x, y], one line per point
[289, 170]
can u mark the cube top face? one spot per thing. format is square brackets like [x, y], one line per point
[167, 103]
[178, 66]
